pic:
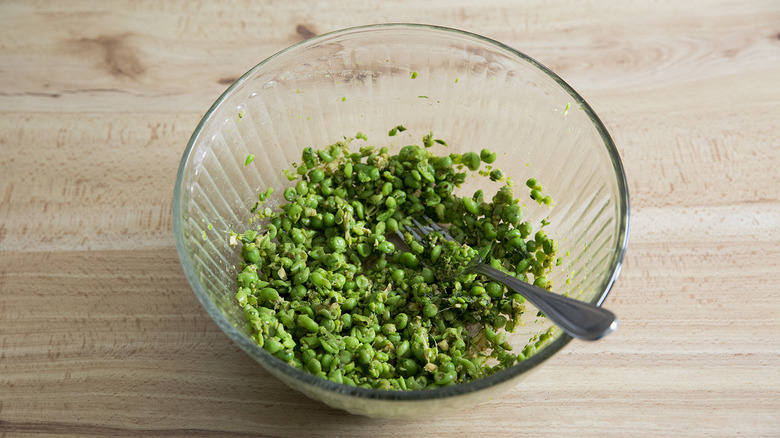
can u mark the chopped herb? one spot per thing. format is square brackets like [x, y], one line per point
[249, 159]
[427, 140]
[396, 130]
[414, 75]
[290, 176]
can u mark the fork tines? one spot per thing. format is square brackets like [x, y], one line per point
[436, 227]
[424, 229]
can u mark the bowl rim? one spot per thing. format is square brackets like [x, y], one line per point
[267, 360]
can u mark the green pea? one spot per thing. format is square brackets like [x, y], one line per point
[302, 188]
[326, 359]
[272, 345]
[294, 213]
[362, 282]
[351, 343]
[251, 254]
[319, 280]
[477, 290]
[549, 246]
[398, 276]
[487, 156]
[443, 378]
[435, 253]
[364, 249]
[444, 162]
[241, 296]
[325, 156]
[328, 220]
[511, 234]
[386, 247]
[402, 350]
[489, 231]
[329, 344]
[494, 289]
[290, 194]
[391, 225]
[297, 267]
[334, 261]
[297, 292]
[516, 242]
[307, 323]
[430, 310]
[314, 366]
[428, 276]
[337, 244]
[468, 366]
[441, 212]
[301, 277]
[316, 175]
[269, 294]
[471, 160]
[525, 229]
[388, 329]
[541, 282]
[338, 281]
[366, 334]
[401, 320]
[511, 214]
[470, 205]
[346, 320]
[247, 277]
[408, 367]
[409, 260]
[365, 354]
[359, 209]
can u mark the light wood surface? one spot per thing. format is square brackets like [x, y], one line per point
[100, 334]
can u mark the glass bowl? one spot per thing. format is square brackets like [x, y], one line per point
[471, 91]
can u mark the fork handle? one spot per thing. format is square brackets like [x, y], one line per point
[578, 319]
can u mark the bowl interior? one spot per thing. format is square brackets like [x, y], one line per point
[471, 92]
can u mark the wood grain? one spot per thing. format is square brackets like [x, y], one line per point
[100, 334]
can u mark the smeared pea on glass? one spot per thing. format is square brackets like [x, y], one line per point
[323, 289]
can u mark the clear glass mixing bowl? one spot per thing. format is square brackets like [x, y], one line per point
[471, 91]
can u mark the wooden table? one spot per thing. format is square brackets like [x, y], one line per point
[100, 333]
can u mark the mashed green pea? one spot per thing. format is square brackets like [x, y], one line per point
[326, 287]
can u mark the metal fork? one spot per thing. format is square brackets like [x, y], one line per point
[578, 319]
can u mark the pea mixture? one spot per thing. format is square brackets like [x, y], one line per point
[326, 288]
